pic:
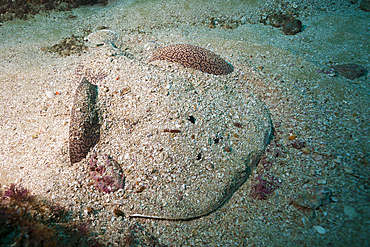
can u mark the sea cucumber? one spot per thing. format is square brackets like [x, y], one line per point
[191, 56]
[84, 128]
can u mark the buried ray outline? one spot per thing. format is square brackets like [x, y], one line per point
[82, 139]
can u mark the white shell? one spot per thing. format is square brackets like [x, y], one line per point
[50, 94]
[320, 229]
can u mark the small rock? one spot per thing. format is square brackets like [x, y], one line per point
[292, 137]
[243, 20]
[212, 23]
[305, 221]
[348, 170]
[305, 150]
[321, 181]
[292, 26]
[351, 212]
[349, 71]
[318, 157]
[298, 144]
[320, 229]
[50, 94]
[337, 160]
[140, 189]
[209, 167]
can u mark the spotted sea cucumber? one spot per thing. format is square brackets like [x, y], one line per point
[191, 56]
[84, 128]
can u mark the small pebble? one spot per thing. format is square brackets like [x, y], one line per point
[304, 221]
[292, 27]
[118, 202]
[318, 157]
[305, 150]
[292, 137]
[337, 160]
[320, 229]
[321, 181]
[140, 189]
[348, 170]
[298, 144]
[350, 211]
[50, 94]
[210, 167]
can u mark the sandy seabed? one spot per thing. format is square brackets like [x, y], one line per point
[323, 194]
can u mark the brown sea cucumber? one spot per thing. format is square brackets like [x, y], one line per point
[84, 128]
[191, 56]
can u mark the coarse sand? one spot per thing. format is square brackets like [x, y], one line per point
[317, 161]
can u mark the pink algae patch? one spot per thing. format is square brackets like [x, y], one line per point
[106, 173]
